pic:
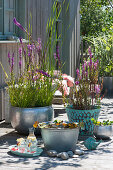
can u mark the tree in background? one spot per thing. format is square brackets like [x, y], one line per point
[95, 16]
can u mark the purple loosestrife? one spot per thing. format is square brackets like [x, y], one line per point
[95, 65]
[83, 70]
[55, 56]
[39, 47]
[90, 53]
[20, 58]
[58, 55]
[18, 24]
[85, 63]
[86, 75]
[39, 50]
[43, 72]
[29, 52]
[77, 71]
[77, 82]
[20, 52]
[20, 64]
[22, 46]
[97, 89]
[20, 40]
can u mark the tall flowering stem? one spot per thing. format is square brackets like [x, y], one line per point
[86, 89]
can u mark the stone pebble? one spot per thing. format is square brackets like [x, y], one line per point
[79, 152]
[70, 153]
[64, 155]
[52, 153]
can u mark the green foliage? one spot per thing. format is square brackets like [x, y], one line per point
[102, 46]
[95, 16]
[104, 123]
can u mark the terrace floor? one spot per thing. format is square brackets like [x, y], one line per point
[99, 159]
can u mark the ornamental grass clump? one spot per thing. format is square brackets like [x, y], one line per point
[85, 94]
[35, 84]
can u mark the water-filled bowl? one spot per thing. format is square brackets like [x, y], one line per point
[60, 139]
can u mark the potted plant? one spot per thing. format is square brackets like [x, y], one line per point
[102, 130]
[104, 41]
[85, 96]
[32, 91]
[59, 135]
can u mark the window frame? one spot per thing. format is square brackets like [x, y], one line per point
[7, 35]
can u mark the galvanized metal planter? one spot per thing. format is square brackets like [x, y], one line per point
[60, 139]
[107, 90]
[83, 116]
[23, 118]
[103, 132]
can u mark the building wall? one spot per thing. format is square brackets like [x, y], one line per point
[40, 11]
[71, 35]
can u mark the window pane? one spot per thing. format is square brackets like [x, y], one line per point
[6, 4]
[1, 16]
[11, 22]
[11, 4]
[8, 16]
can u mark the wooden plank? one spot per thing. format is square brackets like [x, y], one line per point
[78, 34]
[0, 104]
[71, 36]
[38, 19]
[34, 20]
[5, 62]
[0, 65]
[44, 17]
[5, 48]
[66, 52]
[7, 107]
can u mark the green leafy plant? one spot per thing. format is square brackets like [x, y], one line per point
[102, 47]
[95, 16]
[104, 123]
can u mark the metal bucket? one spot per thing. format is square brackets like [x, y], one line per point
[60, 139]
[103, 132]
[23, 118]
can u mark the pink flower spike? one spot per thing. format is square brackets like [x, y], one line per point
[95, 66]
[20, 40]
[18, 24]
[89, 51]
[97, 89]
[77, 71]
[77, 82]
